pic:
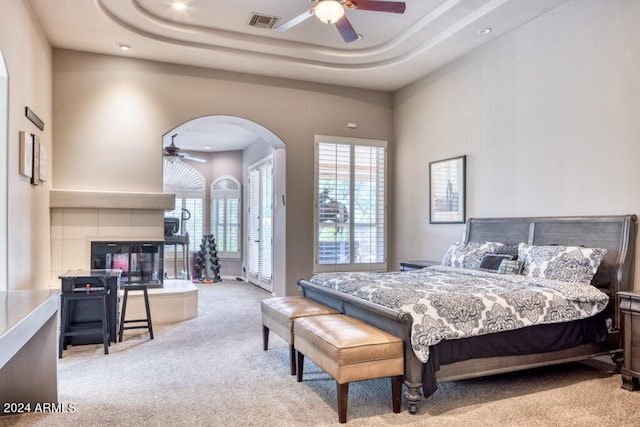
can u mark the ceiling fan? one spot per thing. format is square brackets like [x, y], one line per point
[172, 153]
[332, 12]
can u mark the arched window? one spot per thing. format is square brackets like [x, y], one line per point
[189, 187]
[225, 215]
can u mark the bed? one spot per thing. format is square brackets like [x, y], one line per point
[455, 356]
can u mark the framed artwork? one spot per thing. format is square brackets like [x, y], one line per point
[447, 191]
[35, 175]
[43, 163]
[31, 115]
[26, 155]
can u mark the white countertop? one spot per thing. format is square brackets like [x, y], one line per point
[22, 314]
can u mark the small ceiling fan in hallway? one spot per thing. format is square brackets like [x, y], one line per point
[332, 12]
[173, 154]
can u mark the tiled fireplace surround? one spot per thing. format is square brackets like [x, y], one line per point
[73, 230]
[75, 224]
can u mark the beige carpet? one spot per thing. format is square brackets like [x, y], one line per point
[211, 371]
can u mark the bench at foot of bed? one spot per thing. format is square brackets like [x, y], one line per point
[350, 350]
[278, 315]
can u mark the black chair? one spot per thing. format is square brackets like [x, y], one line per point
[69, 301]
[147, 321]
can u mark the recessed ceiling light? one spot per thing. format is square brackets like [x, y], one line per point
[207, 148]
[124, 47]
[484, 30]
[178, 5]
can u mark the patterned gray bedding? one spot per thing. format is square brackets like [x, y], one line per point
[451, 303]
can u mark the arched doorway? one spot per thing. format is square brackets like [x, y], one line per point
[188, 186]
[231, 145]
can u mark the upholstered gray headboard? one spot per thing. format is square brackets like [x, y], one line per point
[615, 233]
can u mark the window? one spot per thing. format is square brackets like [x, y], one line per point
[188, 186]
[192, 221]
[350, 226]
[225, 216]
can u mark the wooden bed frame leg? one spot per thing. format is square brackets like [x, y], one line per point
[413, 396]
[412, 370]
[618, 359]
[630, 383]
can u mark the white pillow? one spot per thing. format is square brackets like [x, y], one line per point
[469, 255]
[566, 263]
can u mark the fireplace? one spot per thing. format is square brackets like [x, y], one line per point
[140, 261]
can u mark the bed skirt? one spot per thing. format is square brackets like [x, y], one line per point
[529, 340]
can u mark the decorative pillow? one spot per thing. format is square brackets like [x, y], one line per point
[508, 250]
[491, 262]
[468, 255]
[446, 259]
[566, 263]
[510, 266]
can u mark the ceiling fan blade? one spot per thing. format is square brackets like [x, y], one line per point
[346, 30]
[195, 159]
[294, 21]
[377, 6]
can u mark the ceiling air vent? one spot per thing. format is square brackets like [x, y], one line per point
[259, 20]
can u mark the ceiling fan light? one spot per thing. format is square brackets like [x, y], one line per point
[328, 11]
[172, 159]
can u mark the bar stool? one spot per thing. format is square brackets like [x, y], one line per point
[80, 295]
[147, 321]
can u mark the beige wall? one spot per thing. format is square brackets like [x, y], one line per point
[548, 116]
[28, 58]
[111, 112]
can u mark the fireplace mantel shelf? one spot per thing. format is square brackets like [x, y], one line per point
[110, 200]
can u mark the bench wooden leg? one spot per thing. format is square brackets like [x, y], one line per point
[292, 357]
[292, 351]
[343, 398]
[300, 365]
[265, 338]
[396, 392]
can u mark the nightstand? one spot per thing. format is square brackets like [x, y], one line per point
[416, 265]
[630, 309]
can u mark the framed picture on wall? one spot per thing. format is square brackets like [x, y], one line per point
[35, 175]
[43, 163]
[447, 191]
[26, 155]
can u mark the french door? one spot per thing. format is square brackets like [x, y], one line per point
[260, 225]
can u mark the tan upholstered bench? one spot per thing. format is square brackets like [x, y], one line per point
[349, 350]
[278, 315]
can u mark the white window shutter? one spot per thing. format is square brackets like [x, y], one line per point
[350, 229]
[225, 216]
